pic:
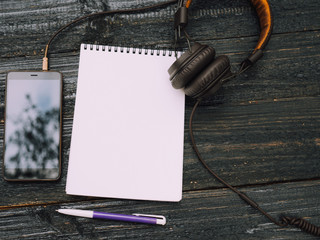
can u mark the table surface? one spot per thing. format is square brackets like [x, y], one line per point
[260, 132]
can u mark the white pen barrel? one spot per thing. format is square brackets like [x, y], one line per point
[77, 212]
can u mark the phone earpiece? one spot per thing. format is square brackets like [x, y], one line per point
[198, 71]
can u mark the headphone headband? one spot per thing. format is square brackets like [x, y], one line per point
[263, 10]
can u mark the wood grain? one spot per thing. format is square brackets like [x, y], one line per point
[208, 214]
[34, 22]
[257, 129]
[260, 132]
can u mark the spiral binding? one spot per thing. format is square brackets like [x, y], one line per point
[142, 51]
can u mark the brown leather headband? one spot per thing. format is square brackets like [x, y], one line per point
[266, 21]
[263, 10]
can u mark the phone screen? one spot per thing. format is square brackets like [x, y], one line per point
[33, 126]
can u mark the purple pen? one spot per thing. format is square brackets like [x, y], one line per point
[137, 218]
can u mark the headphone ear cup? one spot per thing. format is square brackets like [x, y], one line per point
[209, 80]
[190, 64]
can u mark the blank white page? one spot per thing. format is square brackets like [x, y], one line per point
[128, 128]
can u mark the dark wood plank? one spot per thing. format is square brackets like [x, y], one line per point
[30, 24]
[209, 214]
[256, 142]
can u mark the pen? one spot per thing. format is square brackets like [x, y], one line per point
[136, 217]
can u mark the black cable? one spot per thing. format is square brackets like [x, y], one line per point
[158, 5]
[285, 220]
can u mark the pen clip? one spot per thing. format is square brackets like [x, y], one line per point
[161, 220]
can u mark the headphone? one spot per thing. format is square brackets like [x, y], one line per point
[200, 73]
[198, 70]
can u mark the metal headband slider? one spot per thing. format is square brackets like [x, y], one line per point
[180, 21]
[181, 18]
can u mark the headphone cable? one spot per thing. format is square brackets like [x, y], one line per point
[45, 61]
[285, 220]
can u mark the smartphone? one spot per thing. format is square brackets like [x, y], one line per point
[33, 122]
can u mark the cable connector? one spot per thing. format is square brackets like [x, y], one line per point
[181, 17]
[45, 64]
[180, 20]
[45, 61]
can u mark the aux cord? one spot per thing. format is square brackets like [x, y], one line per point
[45, 60]
[285, 220]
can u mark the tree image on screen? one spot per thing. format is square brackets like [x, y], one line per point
[34, 144]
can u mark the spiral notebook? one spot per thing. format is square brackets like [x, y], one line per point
[128, 128]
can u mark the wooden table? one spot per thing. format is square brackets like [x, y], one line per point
[260, 132]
